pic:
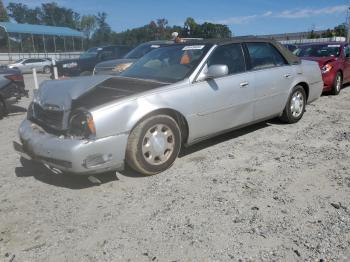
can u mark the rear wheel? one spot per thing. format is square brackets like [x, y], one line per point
[295, 107]
[47, 70]
[3, 109]
[338, 83]
[153, 145]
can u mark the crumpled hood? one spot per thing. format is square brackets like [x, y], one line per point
[62, 92]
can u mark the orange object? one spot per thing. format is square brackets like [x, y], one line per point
[91, 124]
[185, 59]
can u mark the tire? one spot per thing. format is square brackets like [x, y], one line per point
[3, 109]
[85, 73]
[338, 83]
[46, 70]
[153, 145]
[295, 106]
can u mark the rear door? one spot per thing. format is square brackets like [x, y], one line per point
[273, 77]
[27, 65]
[38, 64]
[225, 102]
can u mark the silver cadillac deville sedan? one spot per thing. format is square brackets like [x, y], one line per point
[174, 96]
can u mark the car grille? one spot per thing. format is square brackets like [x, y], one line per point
[52, 118]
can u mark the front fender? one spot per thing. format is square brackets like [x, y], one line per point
[123, 116]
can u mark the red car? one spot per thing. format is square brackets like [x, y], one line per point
[334, 61]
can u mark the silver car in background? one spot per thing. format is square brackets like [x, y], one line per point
[26, 65]
[172, 97]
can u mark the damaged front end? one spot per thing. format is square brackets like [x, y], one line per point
[61, 134]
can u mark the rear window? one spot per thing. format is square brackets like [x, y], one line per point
[264, 55]
[319, 50]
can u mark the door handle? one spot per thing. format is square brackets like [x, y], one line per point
[244, 84]
[287, 75]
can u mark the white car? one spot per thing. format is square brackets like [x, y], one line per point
[26, 65]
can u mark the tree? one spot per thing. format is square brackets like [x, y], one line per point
[103, 33]
[190, 27]
[340, 30]
[3, 13]
[52, 14]
[327, 33]
[88, 25]
[18, 12]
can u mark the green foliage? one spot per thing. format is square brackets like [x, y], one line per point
[3, 13]
[52, 14]
[47, 14]
[98, 32]
[340, 30]
[103, 33]
[159, 30]
[18, 11]
[205, 30]
[88, 25]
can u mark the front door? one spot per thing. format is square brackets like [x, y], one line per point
[225, 102]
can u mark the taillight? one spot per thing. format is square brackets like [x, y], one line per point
[15, 78]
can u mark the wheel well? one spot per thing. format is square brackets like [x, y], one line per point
[340, 71]
[306, 89]
[178, 117]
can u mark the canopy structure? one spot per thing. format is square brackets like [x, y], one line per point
[38, 39]
[39, 29]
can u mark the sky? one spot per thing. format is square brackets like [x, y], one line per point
[244, 17]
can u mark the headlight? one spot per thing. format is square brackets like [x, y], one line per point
[326, 68]
[82, 124]
[70, 65]
[121, 67]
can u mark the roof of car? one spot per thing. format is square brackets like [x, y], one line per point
[160, 42]
[325, 43]
[290, 57]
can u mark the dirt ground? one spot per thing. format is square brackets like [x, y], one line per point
[269, 192]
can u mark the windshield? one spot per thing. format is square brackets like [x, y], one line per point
[92, 52]
[318, 50]
[140, 51]
[168, 64]
[19, 61]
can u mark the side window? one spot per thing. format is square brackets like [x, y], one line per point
[28, 61]
[264, 55]
[230, 55]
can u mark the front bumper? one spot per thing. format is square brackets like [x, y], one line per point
[71, 155]
[328, 81]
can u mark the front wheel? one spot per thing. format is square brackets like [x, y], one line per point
[3, 109]
[153, 145]
[295, 107]
[338, 83]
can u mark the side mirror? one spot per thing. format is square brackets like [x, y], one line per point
[216, 71]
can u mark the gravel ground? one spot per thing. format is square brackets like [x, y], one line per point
[270, 192]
